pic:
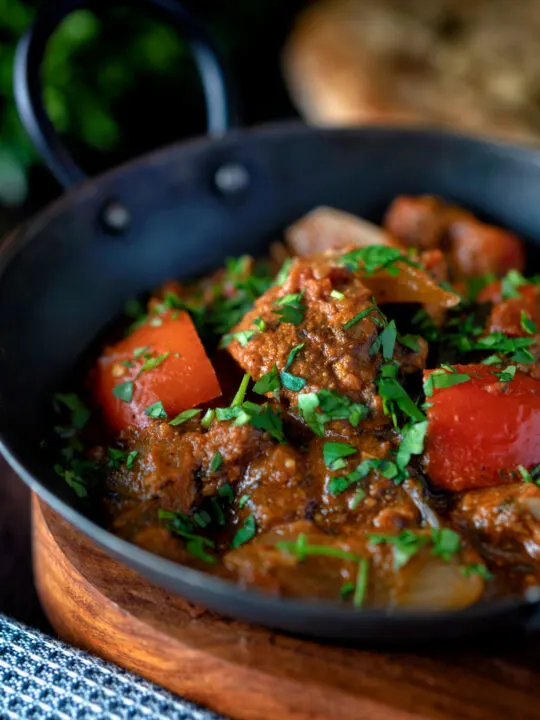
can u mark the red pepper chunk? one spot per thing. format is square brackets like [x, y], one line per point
[184, 379]
[481, 430]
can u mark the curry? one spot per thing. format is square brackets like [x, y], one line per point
[355, 418]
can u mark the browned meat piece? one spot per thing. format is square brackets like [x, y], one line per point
[422, 222]
[472, 248]
[174, 467]
[504, 522]
[506, 315]
[424, 582]
[335, 352]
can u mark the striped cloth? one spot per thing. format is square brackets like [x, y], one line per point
[44, 678]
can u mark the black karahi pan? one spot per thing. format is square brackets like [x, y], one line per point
[179, 212]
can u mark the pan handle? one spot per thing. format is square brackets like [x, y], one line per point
[28, 89]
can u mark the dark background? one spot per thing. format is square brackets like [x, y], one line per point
[116, 87]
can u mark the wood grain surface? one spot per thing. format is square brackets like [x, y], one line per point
[248, 672]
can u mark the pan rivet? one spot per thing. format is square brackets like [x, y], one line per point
[116, 217]
[231, 179]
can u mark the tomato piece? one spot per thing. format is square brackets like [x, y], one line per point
[182, 380]
[480, 430]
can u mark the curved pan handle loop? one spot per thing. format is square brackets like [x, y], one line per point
[28, 87]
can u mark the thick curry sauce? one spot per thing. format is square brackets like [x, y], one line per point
[355, 418]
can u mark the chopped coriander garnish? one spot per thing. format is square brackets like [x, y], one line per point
[527, 324]
[335, 452]
[404, 546]
[412, 443]
[510, 284]
[241, 392]
[492, 360]
[290, 308]
[386, 340]
[446, 543]
[216, 462]
[373, 312]
[476, 569]
[301, 548]
[184, 417]
[269, 382]
[361, 583]
[332, 406]
[80, 414]
[500, 343]
[260, 324]
[156, 411]
[243, 501]
[357, 499]
[410, 341]
[283, 273]
[294, 352]
[131, 458]
[202, 518]
[117, 457]
[181, 525]
[506, 375]
[444, 377]
[207, 418]
[156, 322]
[140, 351]
[245, 533]
[73, 480]
[337, 295]
[225, 491]
[128, 363]
[292, 382]
[394, 396]
[346, 590]
[387, 468]
[373, 258]
[243, 337]
[124, 391]
[532, 476]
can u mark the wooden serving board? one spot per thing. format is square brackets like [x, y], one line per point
[248, 672]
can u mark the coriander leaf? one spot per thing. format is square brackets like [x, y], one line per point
[506, 375]
[410, 341]
[283, 273]
[361, 583]
[269, 382]
[292, 382]
[130, 460]
[357, 499]
[373, 258]
[243, 337]
[373, 312]
[245, 533]
[117, 457]
[346, 590]
[510, 284]
[180, 524]
[80, 414]
[225, 491]
[307, 405]
[386, 340]
[156, 411]
[140, 351]
[207, 418]
[184, 417]
[290, 308]
[337, 295]
[294, 352]
[124, 391]
[260, 324]
[216, 462]
[476, 569]
[243, 501]
[404, 546]
[73, 480]
[446, 543]
[527, 324]
[202, 518]
[440, 378]
[301, 548]
[241, 392]
[335, 452]
[492, 360]
[394, 396]
[412, 443]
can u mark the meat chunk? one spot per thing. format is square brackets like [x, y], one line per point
[175, 468]
[504, 522]
[472, 248]
[333, 335]
[507, 315]
[334, 355]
